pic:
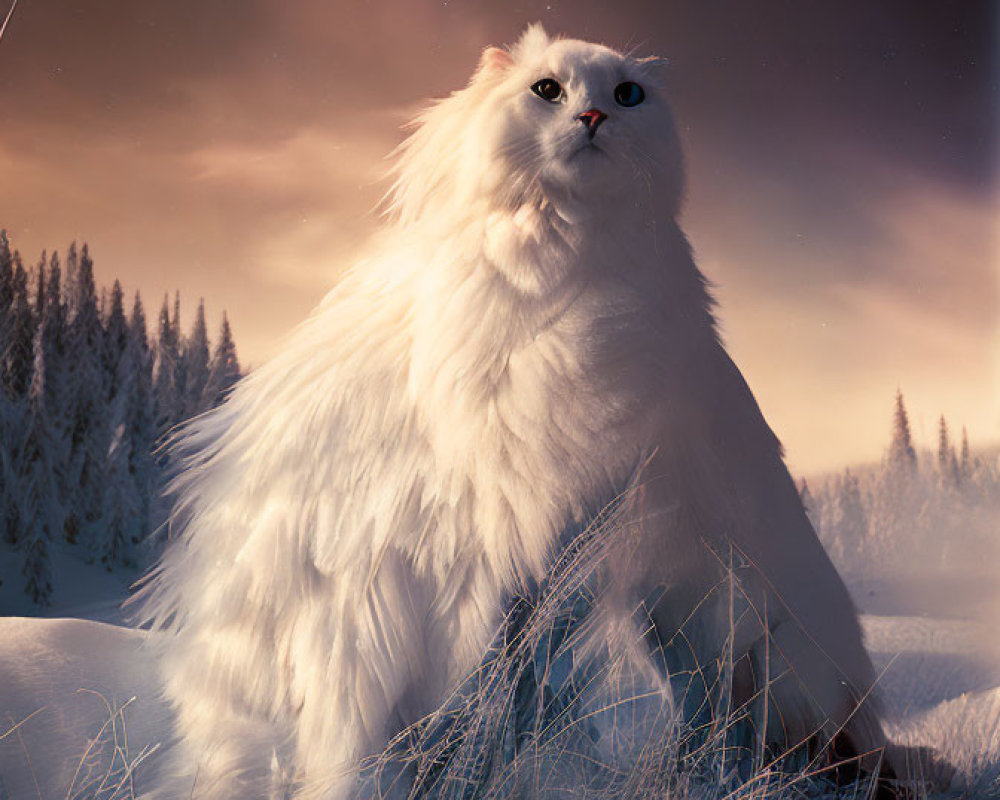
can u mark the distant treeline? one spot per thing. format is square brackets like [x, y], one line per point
[914, 512]
[85, 394]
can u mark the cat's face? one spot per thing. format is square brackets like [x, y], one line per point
[563, 121]
[582, 120]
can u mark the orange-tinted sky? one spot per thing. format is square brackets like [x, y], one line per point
[842, 157]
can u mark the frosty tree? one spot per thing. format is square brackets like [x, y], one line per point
[925, 514]
[947, 461]
[902, 457]
[167, 374]
[121, 507]
[41, 514]
[88, 409]
[849, 511]
[225, 367]
[21, 334]
[196, 364]
[78, 411]
[965, 462]
[140, 420]
[115, 350]
[180, 365]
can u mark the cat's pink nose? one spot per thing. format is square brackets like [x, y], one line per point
[592, 120]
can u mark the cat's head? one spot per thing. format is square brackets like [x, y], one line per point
[560, 120]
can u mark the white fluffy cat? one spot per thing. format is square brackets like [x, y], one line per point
[528, 331]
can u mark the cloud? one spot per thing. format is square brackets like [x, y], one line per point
[825, 334]
[310, 197]
[311, 162]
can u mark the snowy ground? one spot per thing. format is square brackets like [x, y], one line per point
[79, 588]
[71, 728]
[79, 709]
[941, 688]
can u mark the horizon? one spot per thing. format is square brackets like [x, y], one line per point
[925, 432]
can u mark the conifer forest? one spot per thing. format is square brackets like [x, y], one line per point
[917, 514]
[88, 387]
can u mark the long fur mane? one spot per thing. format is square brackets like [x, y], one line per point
[528, 330]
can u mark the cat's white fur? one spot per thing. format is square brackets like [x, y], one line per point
[528, 329]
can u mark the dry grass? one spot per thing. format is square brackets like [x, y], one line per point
[551, 714]
[106, 766]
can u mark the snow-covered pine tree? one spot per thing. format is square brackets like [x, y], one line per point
[122, 510]
[949, 474]
[14, 430]
[55, 305]
[39, 284]
[22, 334]
[71, 268]
[224, 370]
[175, 320]
[180, 373]
[196, 356]
[142, 430]
[943, 451]
[905, 498]
[16, 373]
[35, 568]
[42, 514]
[89, 435]
[121, 514]
[7, 494]
[115, 342]
[965, 460]
[954, 469]
[52, 334]
[6, 269]
[165, 384]
[122, 524]
[6, 298]
[8, 491]
[89, 416]
[902, 458]
[850, 517]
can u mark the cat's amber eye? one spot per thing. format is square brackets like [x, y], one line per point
[629, 94]
[548, 89]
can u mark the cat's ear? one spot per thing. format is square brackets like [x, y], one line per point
[494, 59]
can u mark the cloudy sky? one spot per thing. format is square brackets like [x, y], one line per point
[843, 157]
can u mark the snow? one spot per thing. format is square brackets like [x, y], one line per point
[79, 704]
[79, 588]
[81, 715]
[940, 683]
[65, 678]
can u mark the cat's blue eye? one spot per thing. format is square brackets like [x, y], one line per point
[629, 94]
[548, 89]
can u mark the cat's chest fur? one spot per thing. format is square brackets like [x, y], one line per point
[527, 366]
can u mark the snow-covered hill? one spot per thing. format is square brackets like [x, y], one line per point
[82, 718]
[80, 714]
[80, 709]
